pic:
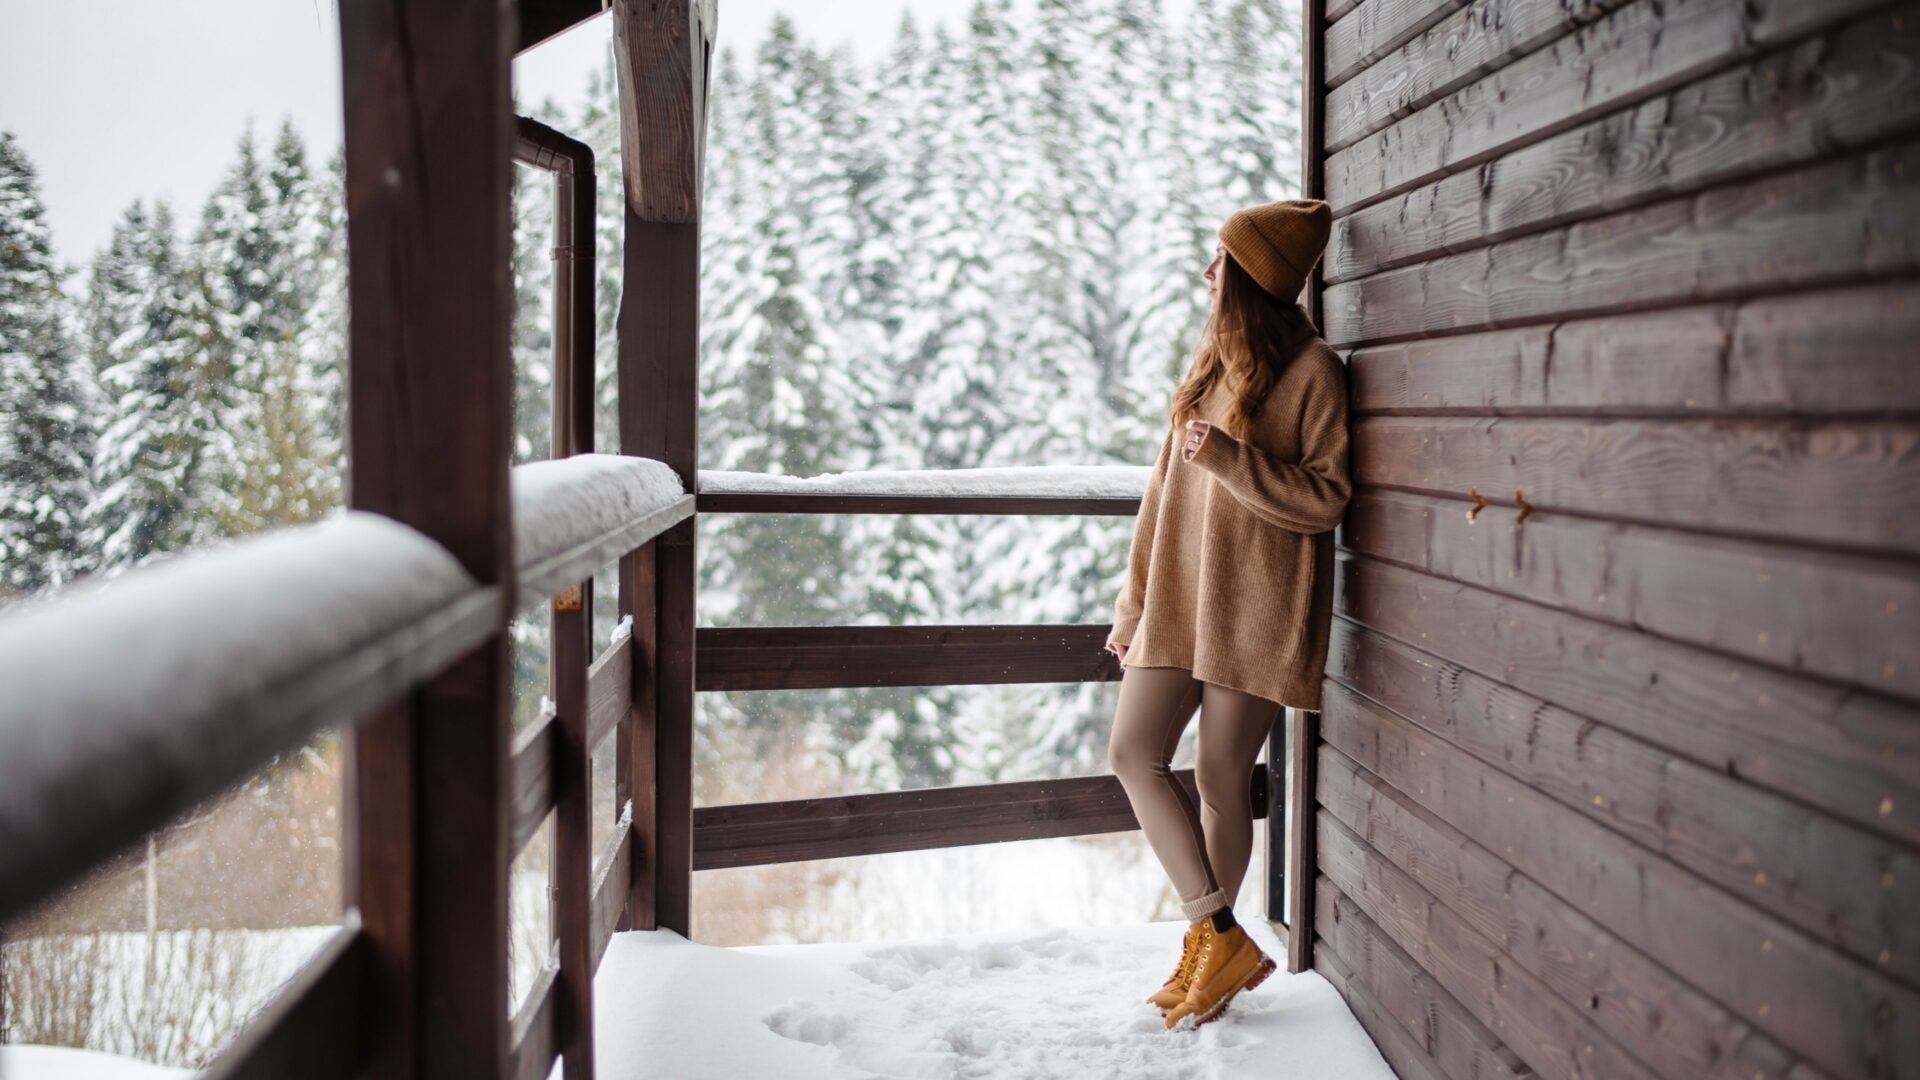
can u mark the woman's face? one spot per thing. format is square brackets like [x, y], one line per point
[1212, 272]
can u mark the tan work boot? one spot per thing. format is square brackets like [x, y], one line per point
[1229, 962]
[1174, 990]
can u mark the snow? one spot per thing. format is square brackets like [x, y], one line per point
[66, 1063]
[572, 515]
[1023, 481]
[145, 664]
[1053, 1002]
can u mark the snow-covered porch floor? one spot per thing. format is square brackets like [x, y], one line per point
[1056, 1002]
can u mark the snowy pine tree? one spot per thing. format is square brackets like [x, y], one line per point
[46, 430]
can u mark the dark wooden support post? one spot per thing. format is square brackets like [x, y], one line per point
[1277, 816]
[1303, 729]
[428, 138]
[661, 48]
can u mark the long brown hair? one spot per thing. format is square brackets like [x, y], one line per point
[1249, 339]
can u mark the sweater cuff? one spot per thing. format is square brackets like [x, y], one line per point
[1122, 633]
[1215, 453]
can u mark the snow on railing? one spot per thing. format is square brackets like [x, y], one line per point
[127, 700]
[573, 515]
[1017, 481]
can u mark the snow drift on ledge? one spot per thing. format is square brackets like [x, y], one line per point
[1032, 1004]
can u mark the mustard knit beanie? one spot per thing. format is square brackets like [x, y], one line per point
[1278, 242]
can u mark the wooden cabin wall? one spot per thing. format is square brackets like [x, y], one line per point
[1619, 775]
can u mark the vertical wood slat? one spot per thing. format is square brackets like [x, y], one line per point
[427, 110]
[1279, 810]
[661, 50]
[571, 627]
[635, 751]
[1303, 730]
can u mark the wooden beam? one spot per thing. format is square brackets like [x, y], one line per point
[428, 128]
[661, 51]
[819, 657]
[1303, 735]
[745, 502]
[571, 634]
[754, 834]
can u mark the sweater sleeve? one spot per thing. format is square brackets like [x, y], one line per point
[1131, 603]
[1307, 497]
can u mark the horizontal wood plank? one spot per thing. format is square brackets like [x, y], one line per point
[1676, 1028]
[1444, 56]
[1375, 29]
[818, 657]
[1830, 879]
[1848, 219]
[531, 774]
[1400, 1048]
[1851, 619]
[534, 1035]
[1846, 89]
[753, 834]
[1440, 1027]
[609, 691]
[1851, 483]
[1553, 1038]
[1830, 746]
[1831, 1009]
[1641, 50]
[1822, 352]
[744, 502]
[612, 883]
[318, 1026]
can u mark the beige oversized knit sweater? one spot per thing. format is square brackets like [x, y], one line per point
[1230, 574]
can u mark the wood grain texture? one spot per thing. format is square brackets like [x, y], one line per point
[817, 657]
[1850, 88]
[1549, 1035]
[1674, 1027]
[1835, 1011]
[1643, 49]
[1841, 483]
[428, 171]
[1821, 352]
[1442, 1030]
[1840, 884]
[1831, 223]
[530, 784]
[1828, 745]
[1303, 736]
[1376, 28]
[1851, 619]
[1405, 1056]
[571, 872]
[1461, 47]
[753, 834]
[609, 693]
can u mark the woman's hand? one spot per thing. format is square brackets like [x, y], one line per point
[1120, 650]
[1196, 434]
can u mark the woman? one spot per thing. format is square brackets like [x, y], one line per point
[1229, 594]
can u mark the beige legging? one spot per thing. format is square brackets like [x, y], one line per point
[1205, 852]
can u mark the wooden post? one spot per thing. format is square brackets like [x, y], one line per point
[661, 48]
[428, 138]
[1277, 817]
[1303, 729]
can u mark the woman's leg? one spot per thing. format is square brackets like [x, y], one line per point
[1155, 705]
[1233, 726]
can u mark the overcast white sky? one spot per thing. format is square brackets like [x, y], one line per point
[121, 99]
